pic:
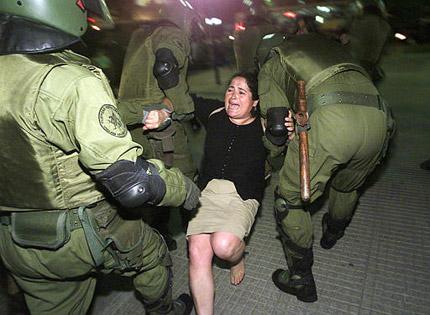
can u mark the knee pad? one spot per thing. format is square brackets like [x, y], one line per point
[281, 210]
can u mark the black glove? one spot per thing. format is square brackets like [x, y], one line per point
[276, 132]
[193, 194]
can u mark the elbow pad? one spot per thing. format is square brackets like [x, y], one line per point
[133, 184]
[276, 132]
[166, 69]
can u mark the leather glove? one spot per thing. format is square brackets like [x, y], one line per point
[193, 194]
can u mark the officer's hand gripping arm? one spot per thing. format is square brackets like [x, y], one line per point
[158, 118]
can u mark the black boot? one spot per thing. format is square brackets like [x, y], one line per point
[183, 305]
[333, 230]
[298, 280]
[303, 287]
[425, 165]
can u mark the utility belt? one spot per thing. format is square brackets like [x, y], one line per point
[360, 99]
[106, 233]
[41, 229]
[342, 97]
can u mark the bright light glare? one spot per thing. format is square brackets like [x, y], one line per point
[239, 26]
[213, 21]
[323, 8]
[400, 36]
[95, 27]
[189, 5]
[319, 19]
[230, 37]
[268, 36]
[290, 14]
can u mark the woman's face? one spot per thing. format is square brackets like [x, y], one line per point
[238, 101]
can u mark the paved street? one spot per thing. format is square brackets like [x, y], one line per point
[381, 266]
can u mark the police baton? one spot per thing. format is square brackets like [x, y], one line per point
[302, 118]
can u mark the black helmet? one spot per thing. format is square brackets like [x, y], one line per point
[32, 26]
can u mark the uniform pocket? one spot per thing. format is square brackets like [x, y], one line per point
[40, 229]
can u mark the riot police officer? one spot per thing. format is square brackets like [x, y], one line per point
[154, 92]
[347, 139]
[70, 171]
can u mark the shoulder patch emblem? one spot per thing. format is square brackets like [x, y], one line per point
[111, 122]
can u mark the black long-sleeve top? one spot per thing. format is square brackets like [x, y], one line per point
[232, 152]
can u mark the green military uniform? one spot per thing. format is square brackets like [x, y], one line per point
[347, 137]
[59, 126]
[139, 91]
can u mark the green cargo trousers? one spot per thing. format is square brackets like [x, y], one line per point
[345, 145]
[63, 281]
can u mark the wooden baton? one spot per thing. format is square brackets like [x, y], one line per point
[302, 118]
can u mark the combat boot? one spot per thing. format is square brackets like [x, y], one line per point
[333, 230]
[183, 305]
[425, 165]
[298, 280]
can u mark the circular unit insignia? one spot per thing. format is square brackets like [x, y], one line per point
[111, 122]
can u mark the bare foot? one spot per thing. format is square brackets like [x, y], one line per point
[237, 272]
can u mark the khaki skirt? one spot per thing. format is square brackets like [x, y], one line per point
[223, 210]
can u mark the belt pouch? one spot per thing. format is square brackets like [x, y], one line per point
[40, 229]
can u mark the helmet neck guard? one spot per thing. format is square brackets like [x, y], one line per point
[21, 36]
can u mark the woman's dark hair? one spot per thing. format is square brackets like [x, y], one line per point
[251, 81]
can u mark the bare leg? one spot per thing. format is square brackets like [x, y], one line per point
[229, 247]
[200, 273]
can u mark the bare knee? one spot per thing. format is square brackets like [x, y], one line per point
[225, 245]
[199, 250]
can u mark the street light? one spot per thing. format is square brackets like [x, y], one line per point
[213, 21]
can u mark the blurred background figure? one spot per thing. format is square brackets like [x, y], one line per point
[367, 36]
[247, 36]
[108, 55]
